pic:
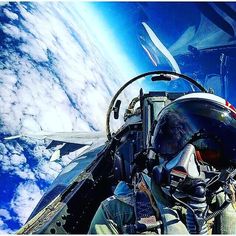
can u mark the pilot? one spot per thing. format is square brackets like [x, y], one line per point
[192, 188]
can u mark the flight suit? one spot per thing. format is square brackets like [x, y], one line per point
[117, 211]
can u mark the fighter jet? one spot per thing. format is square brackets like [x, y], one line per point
[71, 201]
[73, 198]
[106, 158]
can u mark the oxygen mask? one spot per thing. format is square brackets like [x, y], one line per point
[192, 183]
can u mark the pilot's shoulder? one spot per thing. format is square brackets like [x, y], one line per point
[122, 194]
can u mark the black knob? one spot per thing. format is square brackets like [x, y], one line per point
[199, 191]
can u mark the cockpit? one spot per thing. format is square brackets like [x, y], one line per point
[72, 199]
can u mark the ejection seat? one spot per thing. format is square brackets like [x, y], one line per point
[135, 136]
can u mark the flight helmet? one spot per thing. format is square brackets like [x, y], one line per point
[206, 121]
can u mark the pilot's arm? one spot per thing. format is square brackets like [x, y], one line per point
[111, 216]
[100, 224]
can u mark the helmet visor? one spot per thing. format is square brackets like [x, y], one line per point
[208, 125]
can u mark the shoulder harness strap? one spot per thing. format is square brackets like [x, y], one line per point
[146, 212]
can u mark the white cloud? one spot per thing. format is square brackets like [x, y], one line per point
[34, 98]
[40, 151]
[78, 96]
[12, 160]
[25, 199]
[3, 3]
[56, 78]
[5, 213]
[17, 160]
[38, 54]
[11, 15]
[3, 149]
[4, 229]
[11, 30]
[25, 173]
[47, 170]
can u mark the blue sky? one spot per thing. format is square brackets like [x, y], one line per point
[168, 20]
[83, 52]
[177, 25]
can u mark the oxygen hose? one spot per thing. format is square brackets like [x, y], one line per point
[199, 227]
[195, 225]
[195, 219]
[195, 215]
[196, 209]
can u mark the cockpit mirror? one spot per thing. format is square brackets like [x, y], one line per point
[161, 77]
[116, 109]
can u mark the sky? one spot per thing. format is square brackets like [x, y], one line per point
[62, 62]
[54, 77]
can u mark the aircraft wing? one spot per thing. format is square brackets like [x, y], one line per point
[66, 142]
[68, 137]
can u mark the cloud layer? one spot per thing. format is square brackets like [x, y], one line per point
[54, 77]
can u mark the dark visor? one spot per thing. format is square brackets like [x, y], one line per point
[208, 125]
